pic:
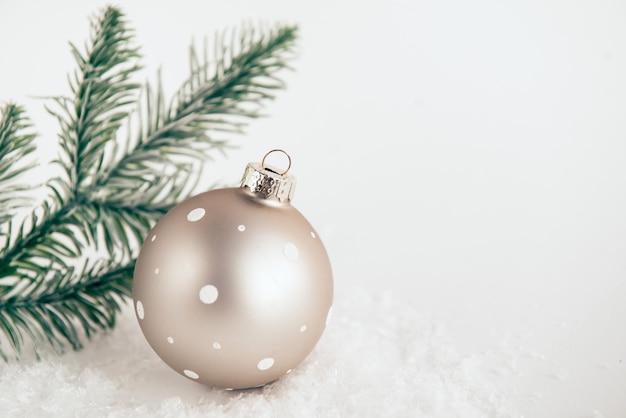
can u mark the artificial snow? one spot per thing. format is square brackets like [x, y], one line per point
[377, 358]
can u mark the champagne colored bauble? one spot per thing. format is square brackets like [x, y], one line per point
[233, 287]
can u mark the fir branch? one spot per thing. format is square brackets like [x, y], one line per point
[56, 310]
[16, 143]
[89, 120]
[102, 90]
[217, 97]
[115, 188]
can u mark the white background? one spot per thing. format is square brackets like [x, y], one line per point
[468, 156]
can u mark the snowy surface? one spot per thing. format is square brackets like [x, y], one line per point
[377, 358]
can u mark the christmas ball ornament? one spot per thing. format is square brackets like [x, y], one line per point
[233, 287]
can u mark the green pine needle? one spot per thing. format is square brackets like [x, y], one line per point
[127, 156]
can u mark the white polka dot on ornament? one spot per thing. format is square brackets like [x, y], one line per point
[140, 311]
[208, 294]
[290, 251]
[265, 364]
[195, 215]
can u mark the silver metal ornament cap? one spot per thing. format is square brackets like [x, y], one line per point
[269, 181]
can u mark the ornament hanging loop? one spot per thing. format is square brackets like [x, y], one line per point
[276, 150]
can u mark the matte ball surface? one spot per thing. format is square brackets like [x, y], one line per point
[233, 290]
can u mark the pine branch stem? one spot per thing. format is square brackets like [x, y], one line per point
[42, 231]
[69, 291]
[36, 235]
